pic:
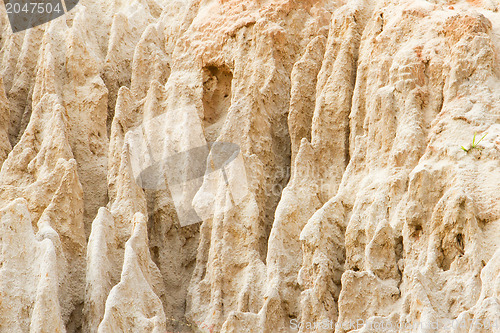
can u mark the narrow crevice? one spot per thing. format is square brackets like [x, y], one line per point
[173, 249]
[347, 153]
[75, 321]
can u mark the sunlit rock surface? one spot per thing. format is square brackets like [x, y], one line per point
[351, 204]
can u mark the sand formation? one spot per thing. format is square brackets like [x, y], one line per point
[359, 205]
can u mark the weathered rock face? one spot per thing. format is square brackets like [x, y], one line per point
[349, 205]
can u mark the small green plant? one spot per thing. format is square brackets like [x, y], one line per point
[474, 143]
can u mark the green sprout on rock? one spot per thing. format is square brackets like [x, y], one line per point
[474, 143]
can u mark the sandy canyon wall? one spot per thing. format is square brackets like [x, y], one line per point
[360, 211]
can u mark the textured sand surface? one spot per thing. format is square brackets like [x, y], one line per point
[360, 209]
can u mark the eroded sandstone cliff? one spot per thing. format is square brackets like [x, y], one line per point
[359, 209]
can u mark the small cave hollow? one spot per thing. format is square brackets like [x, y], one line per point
[217, 83]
